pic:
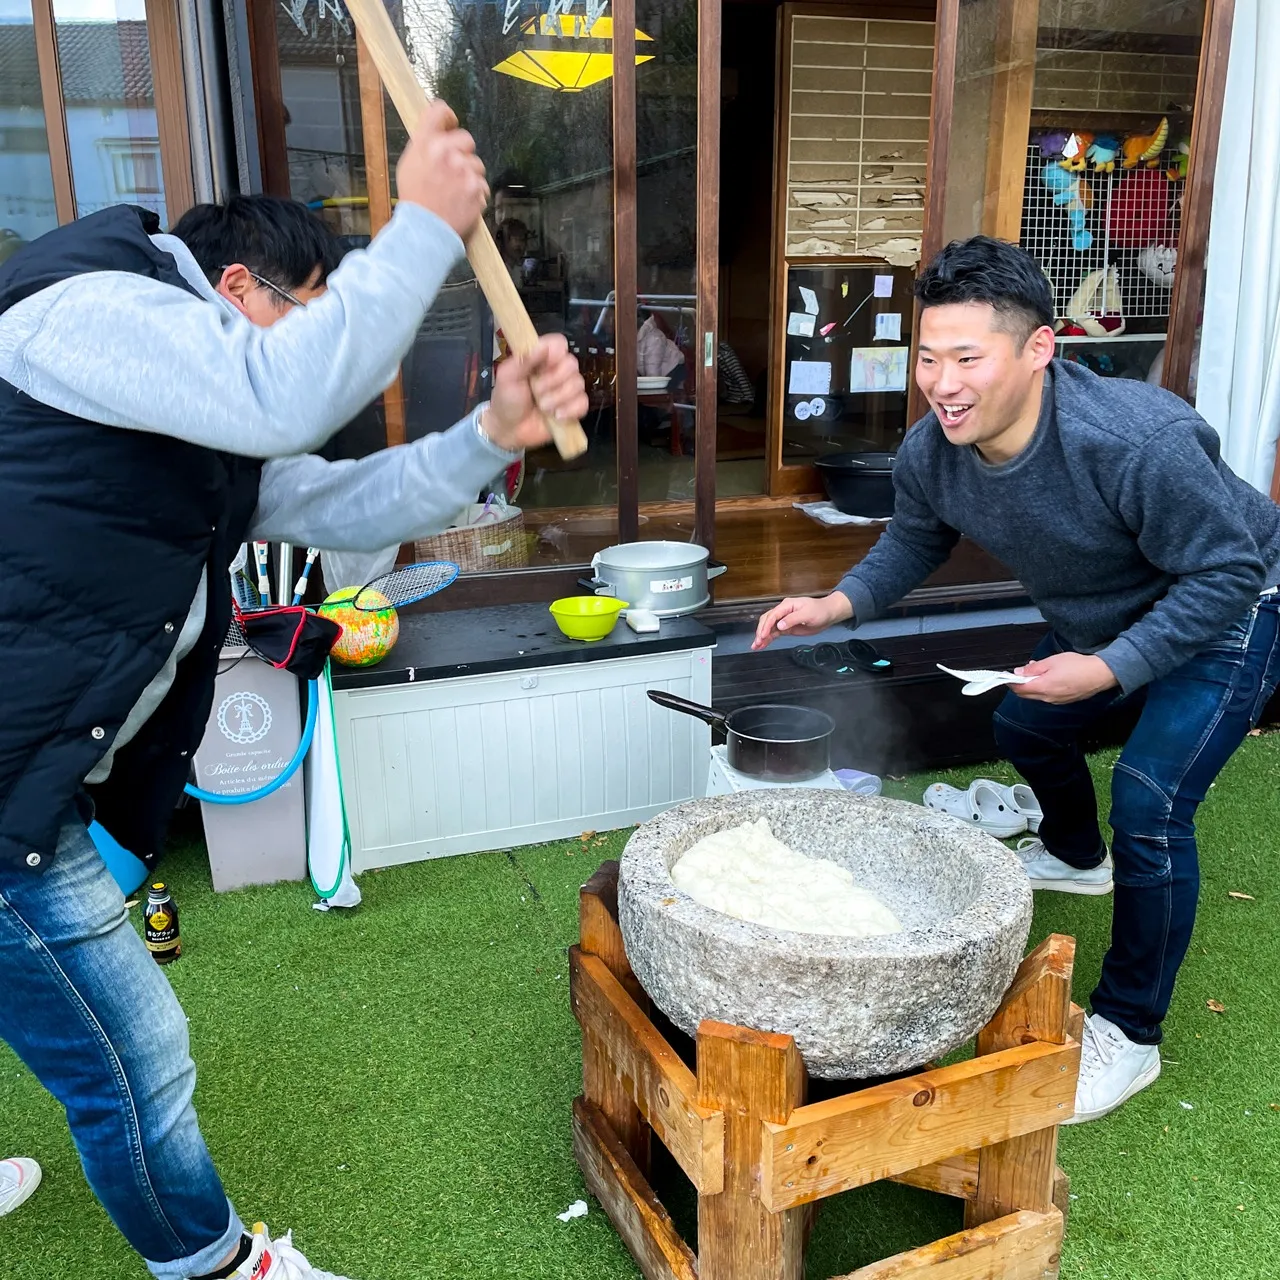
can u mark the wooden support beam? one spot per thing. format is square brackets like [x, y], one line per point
[753, 1077]
[1019, 1173]
[617, 1183]
[601, 937]
[1022, 1246]
[625, 269]
[662, 1088]
[1015, 57]
[377, 173]
[898, 1126]
[957, 1176]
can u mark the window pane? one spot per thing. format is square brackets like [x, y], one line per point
[26, 180]
[110, 104]
[857, 146]
[536, 92]
[667, 248]
[320, 83]
[1101, 166]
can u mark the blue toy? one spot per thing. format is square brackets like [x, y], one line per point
[128, 872]
[1104, 152]
[1069, 191]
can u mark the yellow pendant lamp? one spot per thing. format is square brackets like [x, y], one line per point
[564, 54]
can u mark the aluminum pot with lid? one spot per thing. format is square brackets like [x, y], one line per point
[667, 578]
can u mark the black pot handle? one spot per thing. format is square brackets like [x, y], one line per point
[593, 585]
[709, 715]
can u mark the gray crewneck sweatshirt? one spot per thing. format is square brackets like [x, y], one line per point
[1129, 532]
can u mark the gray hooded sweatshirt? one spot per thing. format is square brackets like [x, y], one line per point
[141, 355]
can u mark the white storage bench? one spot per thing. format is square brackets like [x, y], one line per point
[487, 728]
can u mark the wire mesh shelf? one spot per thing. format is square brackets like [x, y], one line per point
[1128, 219]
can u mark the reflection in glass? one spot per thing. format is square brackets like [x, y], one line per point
[324, 142]
[110, 104]
[26, 180]
[537, 96]
[667, 249]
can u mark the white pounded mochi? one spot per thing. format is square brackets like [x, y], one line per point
[748, 873]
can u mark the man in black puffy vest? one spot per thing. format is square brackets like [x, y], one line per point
[160, 396]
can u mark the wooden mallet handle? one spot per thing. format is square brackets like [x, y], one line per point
[388, 54]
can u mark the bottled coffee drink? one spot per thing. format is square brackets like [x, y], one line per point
[163, 939]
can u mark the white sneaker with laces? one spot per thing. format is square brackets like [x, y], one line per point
[19, 1177]
[277, 1260]
[1047, 872]
[1112, 1069]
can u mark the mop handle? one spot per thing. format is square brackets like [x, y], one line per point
[264, 580]
[373, 26]
[300, 587]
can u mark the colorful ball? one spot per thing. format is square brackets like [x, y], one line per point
[368, 632]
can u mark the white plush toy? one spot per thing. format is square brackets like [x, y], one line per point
[1157, 262]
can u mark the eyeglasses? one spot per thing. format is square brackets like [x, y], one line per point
[275, 288]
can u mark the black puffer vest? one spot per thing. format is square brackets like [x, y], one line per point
[103, 536]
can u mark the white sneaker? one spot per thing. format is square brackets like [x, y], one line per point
[1112, 1069]
[19, 1177]
[278, 1260]
[1047, 872]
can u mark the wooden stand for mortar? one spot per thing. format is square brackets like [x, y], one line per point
[985, 1130]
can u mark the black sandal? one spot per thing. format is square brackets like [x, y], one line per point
[819, 657]
[840, 659]
[861, 655]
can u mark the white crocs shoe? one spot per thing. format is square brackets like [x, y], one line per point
[277, 1260]
[982, 805]
[1019, 799]
[19, 1177]
[1047, 872]
[1112, 1069]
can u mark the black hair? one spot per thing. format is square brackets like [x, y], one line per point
[982, 269]
[280, 240]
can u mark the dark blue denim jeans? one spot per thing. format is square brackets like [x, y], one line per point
[84, 1005]
[1191, 722]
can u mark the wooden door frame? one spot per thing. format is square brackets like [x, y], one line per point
[173, 125]
[1197, 198]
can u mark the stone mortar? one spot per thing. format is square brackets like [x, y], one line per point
[857, 1007]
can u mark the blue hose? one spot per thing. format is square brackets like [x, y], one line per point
[304, 745]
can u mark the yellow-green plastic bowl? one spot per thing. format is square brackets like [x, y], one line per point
[587, 617]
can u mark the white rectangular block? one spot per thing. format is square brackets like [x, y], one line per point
[460, 765]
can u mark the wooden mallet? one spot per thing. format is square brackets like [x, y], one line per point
[388, 54]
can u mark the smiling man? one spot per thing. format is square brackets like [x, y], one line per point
[1155, 568]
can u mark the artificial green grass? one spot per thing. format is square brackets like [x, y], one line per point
[394, 1083]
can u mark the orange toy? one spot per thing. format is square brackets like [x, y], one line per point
[1145, 148]
[1075, 160]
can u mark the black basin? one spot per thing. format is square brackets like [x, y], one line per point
[859, 484]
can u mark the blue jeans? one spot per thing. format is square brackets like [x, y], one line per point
[89, 1011]
[1192, 721]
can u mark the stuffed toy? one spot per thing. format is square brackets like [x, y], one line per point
[1052, 143]
[1073, 194]
[1145, 148]
[1177, 171]
[1103, 152]
[1095, 307]
[1138, 213]
[1075, 153]
[1157, 262]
